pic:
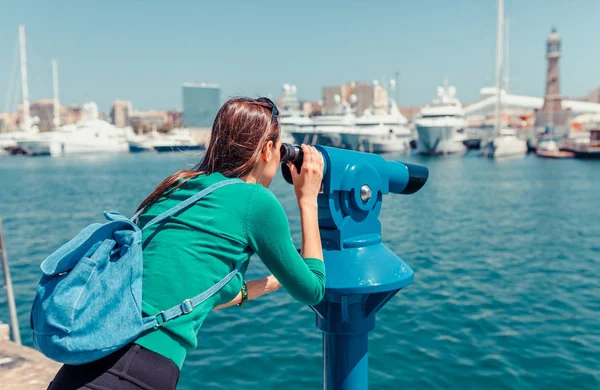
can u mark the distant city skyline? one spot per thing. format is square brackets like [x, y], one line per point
[144, 52]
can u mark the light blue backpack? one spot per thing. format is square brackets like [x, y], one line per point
[88, 303]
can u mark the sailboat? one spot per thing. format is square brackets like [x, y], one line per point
[27, 129]
[504, 142]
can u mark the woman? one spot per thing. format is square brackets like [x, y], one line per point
[191, 251]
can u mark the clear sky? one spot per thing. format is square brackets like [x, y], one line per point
[144, 50]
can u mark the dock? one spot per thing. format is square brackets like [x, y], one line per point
[22, 367]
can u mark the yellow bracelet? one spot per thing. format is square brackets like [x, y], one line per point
[244, 295]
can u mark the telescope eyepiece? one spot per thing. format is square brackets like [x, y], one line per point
[290, 153]
[417, 177]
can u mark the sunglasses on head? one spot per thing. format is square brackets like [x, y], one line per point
[274, 109]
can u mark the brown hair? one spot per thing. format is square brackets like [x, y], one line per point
[240, 131]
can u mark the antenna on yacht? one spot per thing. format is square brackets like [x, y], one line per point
[499, 49]
[397, 94]
[24, 86]
[56, 101]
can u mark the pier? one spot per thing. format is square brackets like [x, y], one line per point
[22, 367]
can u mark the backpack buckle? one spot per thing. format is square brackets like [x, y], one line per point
[161, 322]
[187, 306]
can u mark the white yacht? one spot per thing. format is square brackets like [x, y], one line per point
[173, 141]
[440, 125]
[379, 133]
[90, 135]
[505, 144]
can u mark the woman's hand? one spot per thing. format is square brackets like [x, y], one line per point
[307, 183]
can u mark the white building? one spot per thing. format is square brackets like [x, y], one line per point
[509, 102]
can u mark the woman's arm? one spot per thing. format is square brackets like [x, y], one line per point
[268, 231]
[256, 288]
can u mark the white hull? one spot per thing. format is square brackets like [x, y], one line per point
[435, 140]
[68, 148]
[11, 140]
[392, 146]
[7, 143]
[376, 143]
[326, 135]
[502, 147]
[176, 139]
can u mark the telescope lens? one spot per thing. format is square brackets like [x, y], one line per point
[290, 153]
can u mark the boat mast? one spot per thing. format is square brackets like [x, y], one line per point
[506, 54]
[56, 101]
[506, 66]
[24, 86]
[499, 49]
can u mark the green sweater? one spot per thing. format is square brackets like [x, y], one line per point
[193, 250]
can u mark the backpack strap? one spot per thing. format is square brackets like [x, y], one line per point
[188, 305]
[189, 201]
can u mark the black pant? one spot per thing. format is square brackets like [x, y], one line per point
[130, 368]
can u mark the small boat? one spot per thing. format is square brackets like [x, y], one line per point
[557, 154]
[550, 149]
[584, 145]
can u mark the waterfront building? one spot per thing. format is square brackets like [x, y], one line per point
[120, 113]
[312, 108]
[594, 96]
[70, 114]
[329, 98]
[143, 121]
[43, 110]
[364, 92]
[8, 122]
[201, 102]
[175, 118]
[522, 103]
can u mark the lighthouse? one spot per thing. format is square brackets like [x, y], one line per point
[552, 115]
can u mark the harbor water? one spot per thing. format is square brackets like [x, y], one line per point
[506, 257]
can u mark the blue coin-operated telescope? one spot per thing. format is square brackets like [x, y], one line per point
[362, 273]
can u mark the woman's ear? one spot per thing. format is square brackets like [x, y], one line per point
[268, 151]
